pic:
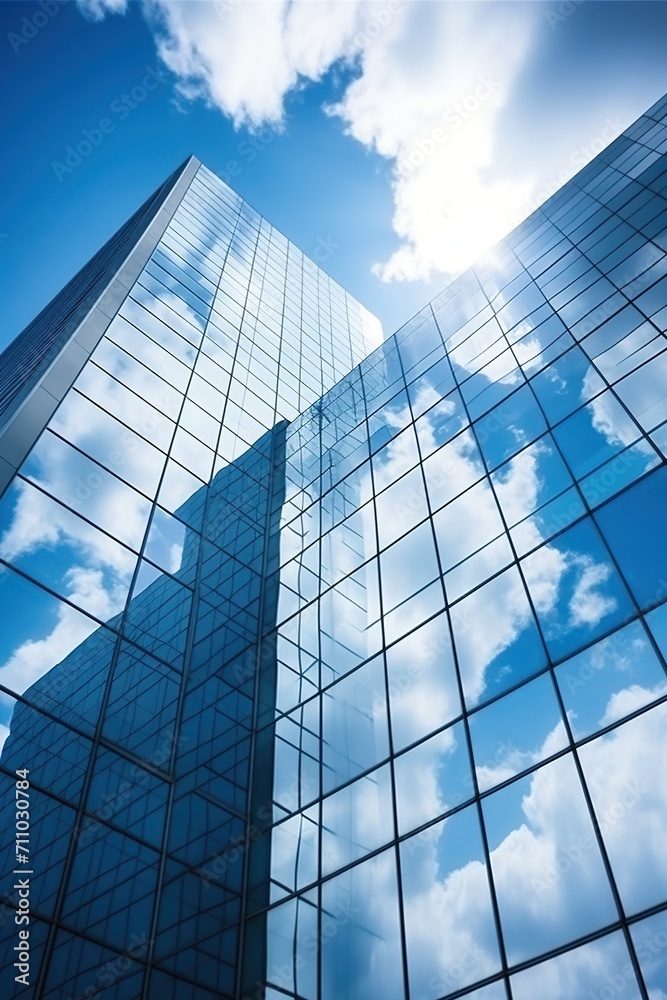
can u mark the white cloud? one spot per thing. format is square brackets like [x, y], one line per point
[587, 605]
[511, 760]
[549, 877]
[39, 523]
[355, 820]
[517, 487]
[503, 608]
[96, 10]
[67, 475]
[631, 802]
[31, 525]
[431, 81]
[430, 97]
[465, 525]
[608, 417]
[448, 912]
[547, 867]
[95, 571]
[422, 795]
[593, 970]
[622, 703]
[35, 657]
[245, 57]
[611, 421]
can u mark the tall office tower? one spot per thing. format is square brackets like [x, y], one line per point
[340, 674]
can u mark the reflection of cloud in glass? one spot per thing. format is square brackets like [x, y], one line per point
[630, 805]
[504, 641]
[517, 732]
[35, 657]
[450, 930]
[587, 605]
[37, 522]
[361, 956]
[539, 884]
[549, 876]
[610, 679]
[82, 563]
[588, 593]
[547, 867]
[601, 968]
[423, 693]
[495, 634]
[424, 791]
[610, 420]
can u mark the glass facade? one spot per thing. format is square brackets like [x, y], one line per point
[339, 672]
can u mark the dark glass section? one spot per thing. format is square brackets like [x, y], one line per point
[140, 744]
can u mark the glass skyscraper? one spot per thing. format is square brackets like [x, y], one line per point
[338, 664]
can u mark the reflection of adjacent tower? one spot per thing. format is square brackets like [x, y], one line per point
[324, 552]
[348, 609]
[170, 706]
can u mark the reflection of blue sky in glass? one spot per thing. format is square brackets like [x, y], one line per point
[440, 613]
[546, 860]
[610, 679]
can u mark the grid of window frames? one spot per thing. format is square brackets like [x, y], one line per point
[29, 354]
[454, 559]
[470, 702]
[133, 545]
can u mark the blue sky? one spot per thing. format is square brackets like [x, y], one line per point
[446, 123]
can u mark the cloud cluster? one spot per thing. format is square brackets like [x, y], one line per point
[429, 98]
[245, 57]
[429, 85]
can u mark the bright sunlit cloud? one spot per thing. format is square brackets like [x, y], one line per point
[430, 98]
